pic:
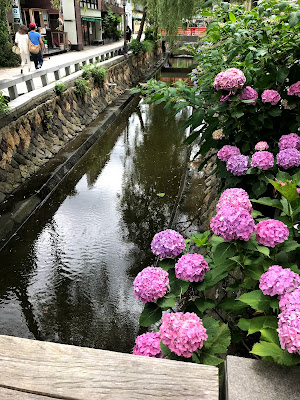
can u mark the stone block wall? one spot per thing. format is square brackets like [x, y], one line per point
[36, 136]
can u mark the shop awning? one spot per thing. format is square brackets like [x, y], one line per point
[91, 19]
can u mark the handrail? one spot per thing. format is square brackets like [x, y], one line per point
[11, 83]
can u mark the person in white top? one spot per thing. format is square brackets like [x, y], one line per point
[22, 41]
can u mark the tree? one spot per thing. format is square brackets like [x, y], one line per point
[167, 14]
[7, 57]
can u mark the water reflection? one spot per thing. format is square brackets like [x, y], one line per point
[67, 276]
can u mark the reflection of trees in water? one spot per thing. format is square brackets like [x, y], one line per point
[89, 310]
[156, 166]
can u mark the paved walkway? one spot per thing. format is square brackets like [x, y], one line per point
[54, 60]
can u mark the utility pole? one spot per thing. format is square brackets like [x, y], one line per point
[125, 26]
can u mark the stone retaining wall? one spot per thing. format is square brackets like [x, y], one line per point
[34, 138]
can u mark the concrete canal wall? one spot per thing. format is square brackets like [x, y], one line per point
[31, 135]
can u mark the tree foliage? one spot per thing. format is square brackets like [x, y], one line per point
[110, 25]
[169, 14]
[7, 57]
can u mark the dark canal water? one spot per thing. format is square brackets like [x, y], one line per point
[67, 275]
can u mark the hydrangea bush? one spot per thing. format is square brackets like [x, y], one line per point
[252, 262]
[246, 105]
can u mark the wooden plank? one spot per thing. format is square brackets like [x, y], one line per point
[11, 394]
[85, 374]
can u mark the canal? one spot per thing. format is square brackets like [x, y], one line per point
[67, 275]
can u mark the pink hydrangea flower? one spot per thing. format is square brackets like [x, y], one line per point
[218, 134]
[289, 330]
[227, 151]
[191, 267]
[294, 90]
[238, 165]
[233, 223]
[249, 94]
[225, 98]
[183, 333]
[148, 345]
[261, 146]
[263, 160]
[271, 232]
[233, 78]
[151, 284]
[270, 96]
[289, 142]
[288, 158]
[235, 197]
[298, 190]
[290, 300]
[167, 243]
[277, 280]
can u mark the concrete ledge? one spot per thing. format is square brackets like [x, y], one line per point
[248, 379]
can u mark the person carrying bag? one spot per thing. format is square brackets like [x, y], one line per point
[22, 47]
[36, 46]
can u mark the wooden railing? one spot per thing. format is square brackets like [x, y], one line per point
[58, 71]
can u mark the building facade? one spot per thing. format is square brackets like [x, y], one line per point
[76, 24]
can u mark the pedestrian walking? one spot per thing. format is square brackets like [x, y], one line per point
[128, 34]
[36, 46]
[22, 41]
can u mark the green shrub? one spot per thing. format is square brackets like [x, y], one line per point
[148, 46]
[60, 87]
[150, 34]
[82, 87]
[135, 46]
[87, 71]
[3, 104]
[98, 72]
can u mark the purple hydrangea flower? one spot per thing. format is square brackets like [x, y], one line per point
[289, 330]
[238, 165]
[263, 160]
[191, 267]
[249, 94]
[233, 78]
[183, 333]
[227, 151]
[235, 197]
[277, 280]
[148, 345]
[261, 146]
[288, 158]
[167, 243]
[289, 142]
[290, 300]
[294, 90]
[151, 284]
[271, 232]
[270, 96]
[233, 223]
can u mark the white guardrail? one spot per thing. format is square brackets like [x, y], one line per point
[10, 85]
